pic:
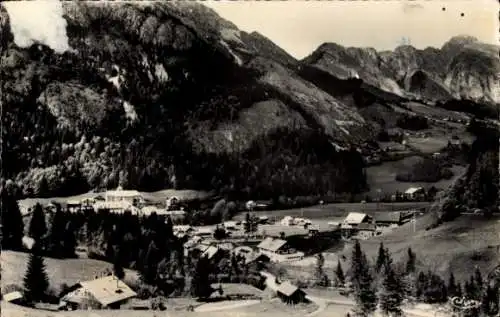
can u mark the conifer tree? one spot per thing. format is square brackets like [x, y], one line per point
[478, 279]
[362, 283]
[12, 222]
[381, 257]
[118, 270]
[36, 281]
[200, 283]
[56, 234]
[391, 294]
[452, 287]
[38, 226]
[411, 262]
[339, 273]
[321, 277]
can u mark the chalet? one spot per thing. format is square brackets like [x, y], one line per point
[354, 219]
[172, 202]
[389, 218]
[290, 293]
[287, 221]
[414, 192]
[278, 250]
[101, 293]
[130, 196]
[366, 230]
[148, 210]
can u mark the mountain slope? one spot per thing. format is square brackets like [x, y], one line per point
[155, 95]
[470, 69]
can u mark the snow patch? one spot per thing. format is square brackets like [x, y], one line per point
[129, 111]
[161, 73]
[236, 57]
[38, 22]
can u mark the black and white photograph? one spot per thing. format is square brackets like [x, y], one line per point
[250, 158]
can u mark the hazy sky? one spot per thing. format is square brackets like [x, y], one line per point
[300, 27]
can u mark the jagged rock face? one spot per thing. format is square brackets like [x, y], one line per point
[462, 68]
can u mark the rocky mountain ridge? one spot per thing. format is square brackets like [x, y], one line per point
[463, 68]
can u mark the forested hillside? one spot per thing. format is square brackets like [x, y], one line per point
[154, 96]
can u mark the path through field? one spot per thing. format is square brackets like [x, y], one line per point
[209, 307]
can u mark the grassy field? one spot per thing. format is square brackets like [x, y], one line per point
[384, 177]
[69, 271]
[275, 306]
[336, 211]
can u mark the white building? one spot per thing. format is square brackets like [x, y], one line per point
[279, 251]
[413, 192]
[354, 219]
[287, 221]
[131, 196]
[117, 207]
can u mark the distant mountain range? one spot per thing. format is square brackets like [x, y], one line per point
[156, 95]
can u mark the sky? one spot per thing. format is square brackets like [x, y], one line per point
[300, 27]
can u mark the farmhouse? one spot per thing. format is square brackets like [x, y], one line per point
[389, 218]
[290, 293]
[131, 196]
[105, 292]
[414, 192]
[278, 250]
[354, 219]
[366, 230]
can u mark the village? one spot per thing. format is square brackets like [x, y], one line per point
[260, 241]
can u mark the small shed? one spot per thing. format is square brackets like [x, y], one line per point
[290, 293]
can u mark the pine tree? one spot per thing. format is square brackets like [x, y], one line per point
[200, 283]
[339, 273]
[321, 277]
[70, 242]
[381, 258]
[36, 281]
[391, 294]
[56, 234]
[411, 262]
[452, 287]
[118, 270]
[362, 283]
[38, 227]
[12, 222]
[478, 279]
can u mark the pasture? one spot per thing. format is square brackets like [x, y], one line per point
[59, 271]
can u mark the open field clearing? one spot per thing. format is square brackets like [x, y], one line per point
[336, 211]
[275, 307]
[383, 177]
[68, 271]
[457, 246]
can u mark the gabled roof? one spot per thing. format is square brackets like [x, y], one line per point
[413, 190]
[12, 296]
[271, 244]
[355, 217]
[123, 193]
[210, 252]
[108, 290]
[393, 216]
[287, 288]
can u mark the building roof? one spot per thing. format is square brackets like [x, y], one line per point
[112, 205]
[412, 190]
[119, 192]
[355, 218]
[287, 288]
[210, 252]
[271, 244]
[393, 217]
[108, 290]
[12, 296]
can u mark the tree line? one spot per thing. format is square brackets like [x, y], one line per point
[386, 285]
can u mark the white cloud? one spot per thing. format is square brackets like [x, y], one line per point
[38, 21]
